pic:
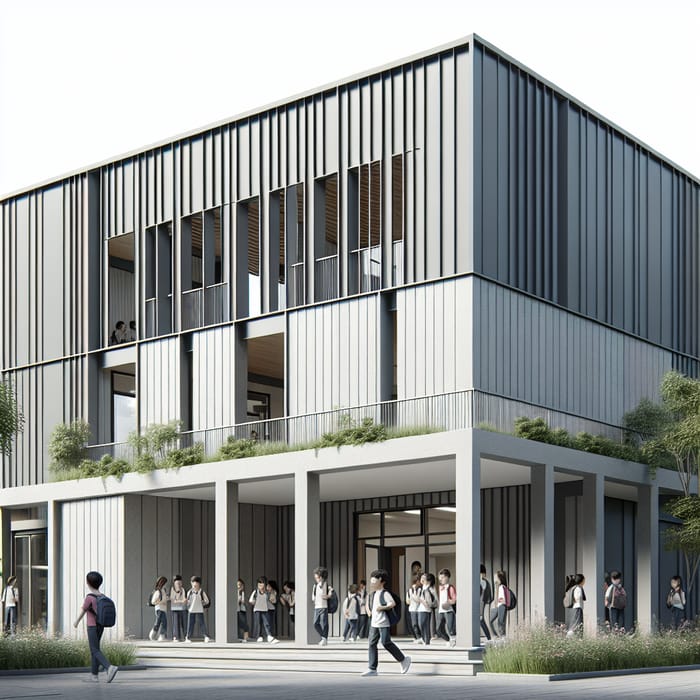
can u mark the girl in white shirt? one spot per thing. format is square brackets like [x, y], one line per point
[576, 582]
[10, 597]
[413, 601]
[427, 602]
[499, 614]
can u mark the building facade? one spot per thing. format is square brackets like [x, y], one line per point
[448, 241]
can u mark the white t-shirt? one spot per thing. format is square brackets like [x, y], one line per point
[444, 591]
[412, 604]
[11, 597]
[241, 601]
[178, 599]
[427, 595]
[160, 599]
[259, 601]
[578, 597]
[379, 617]
[195, 600]
[350, 605]
[320, 589]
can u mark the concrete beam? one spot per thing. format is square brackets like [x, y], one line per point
[593, 547]
[647, 560]
[542, 543]
[226, 556]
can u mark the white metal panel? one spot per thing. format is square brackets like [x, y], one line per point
[159, 374]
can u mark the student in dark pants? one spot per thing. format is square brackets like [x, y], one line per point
[94, 630]
[380, 629]
[363, 620]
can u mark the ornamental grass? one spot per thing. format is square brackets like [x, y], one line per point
[547, 650]
[33, 649]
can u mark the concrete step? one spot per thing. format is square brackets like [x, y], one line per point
[337, 657]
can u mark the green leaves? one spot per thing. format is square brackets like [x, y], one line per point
[11, 417]
[68, 445]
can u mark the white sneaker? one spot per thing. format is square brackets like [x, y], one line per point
[370, 672]
[452, 642]
[323, 642]
[421, 641]
[352, 639]
[416, 641]
[175, 639]
[207, 640]
[188, 640]
[272, 640]
[244, 641]
[448, 643]
[161, 638]
[405, 664]
[260, 639]
[152, 635]
[111, 672]
[94, 678]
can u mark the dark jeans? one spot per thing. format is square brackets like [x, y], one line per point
[415, 624]
[350, 629]
[617, 618]
[383, 634]
[199, 618]
[677, 617]
[97, 658]
[179, 623]
[321, 622]
[161, 624]
[482, 621]
[262, 623]
[11, 619]
[447, 620]
[242, 623]
[363, 626]
[424, 623]
[576, 623]
[498, 615]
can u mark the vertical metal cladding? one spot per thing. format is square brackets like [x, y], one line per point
[568, 208]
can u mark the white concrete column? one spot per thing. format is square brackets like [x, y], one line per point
[226, 561]
[468, 541]
[542, 543]
[307, 524]
[593, 549]
[53, 582]
[647, 560]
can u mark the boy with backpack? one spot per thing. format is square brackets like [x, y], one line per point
[447, 628]
[197, 602]
[325, 601]
[383, 612]
[100, 614]
[485, 600]
[616, 601]
[351, 612]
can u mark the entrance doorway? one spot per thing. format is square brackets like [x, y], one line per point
[31, 569]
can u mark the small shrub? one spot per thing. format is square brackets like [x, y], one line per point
[237, 449]
[144, 463]
[184, 457]
[68, 445]
[354, 434]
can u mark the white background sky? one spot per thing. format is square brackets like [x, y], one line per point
[84, 81]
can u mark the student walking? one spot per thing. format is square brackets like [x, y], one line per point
[575, 585]
[273, 593]
[500, 613]
[320, 594]
[412, 600]
[363, 621]
[379, 603]
[447, 597]
[288, 601]
[676, 602]
[178, 608]
[427, 602]
[197, 602]
[94, 629]
[243, 629]
[616, 601]
[259, 601]
[10, 597]
[351, 613]
[485, 600]
[159, 599]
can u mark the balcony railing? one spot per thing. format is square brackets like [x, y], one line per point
[326, 280]
[205, 306]
[158, 319]
[443, 412]
[295, 285]
[397, 264]
[369, 266]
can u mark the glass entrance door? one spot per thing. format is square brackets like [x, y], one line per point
[31, 569]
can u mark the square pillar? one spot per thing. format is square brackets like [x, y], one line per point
[542, 543]
[53, 581]
[468, 541]
[226, 558]
[647, 559]
[307, 551]
[593, 549]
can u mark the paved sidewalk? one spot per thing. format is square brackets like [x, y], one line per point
[166, 684]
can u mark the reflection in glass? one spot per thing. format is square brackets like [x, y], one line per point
[441, 519]
[369, 525]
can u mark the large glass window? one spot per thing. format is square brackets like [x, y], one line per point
[123, 406]
[121, 323]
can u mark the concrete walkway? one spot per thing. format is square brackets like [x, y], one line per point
[167, 684]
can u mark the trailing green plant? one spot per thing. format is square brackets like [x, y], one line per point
[538, 430]
[68, 445]
[235, 448]
[156, 440]
[353, 434]
[548, 650]
[32, 649]
[11, 417]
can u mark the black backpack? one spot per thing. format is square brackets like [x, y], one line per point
[332, 601]
[512, 600]
[393, 614]
[487, 594]
[150, 602]
[105, 610]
